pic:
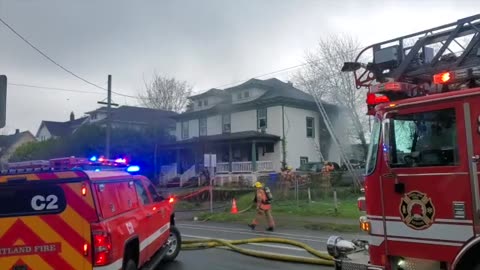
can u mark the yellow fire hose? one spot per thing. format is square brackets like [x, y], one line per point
[322, 258]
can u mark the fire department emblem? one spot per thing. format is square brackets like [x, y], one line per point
[417, 210]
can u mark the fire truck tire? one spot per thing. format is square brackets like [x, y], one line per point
[130, 265]
[175, 240]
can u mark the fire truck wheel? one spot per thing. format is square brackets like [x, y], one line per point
[175, 241]
[130, 265]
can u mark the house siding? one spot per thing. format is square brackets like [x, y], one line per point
[244, 121]
[44, 134]
[214, 125]
[297, 143]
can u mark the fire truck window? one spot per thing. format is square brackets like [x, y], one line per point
[142, 193]
[153, 192]
[424, 139]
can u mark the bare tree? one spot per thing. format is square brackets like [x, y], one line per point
[323, 78]
[166, 93]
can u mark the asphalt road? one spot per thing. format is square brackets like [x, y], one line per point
[223, 259]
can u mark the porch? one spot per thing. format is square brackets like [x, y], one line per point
[245, 153]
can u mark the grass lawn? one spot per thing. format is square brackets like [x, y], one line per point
[306, 215]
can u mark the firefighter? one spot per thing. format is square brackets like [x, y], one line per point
[264, 208]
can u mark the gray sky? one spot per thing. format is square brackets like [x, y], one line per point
[209, 43]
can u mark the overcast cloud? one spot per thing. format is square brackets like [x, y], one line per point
[209, 43]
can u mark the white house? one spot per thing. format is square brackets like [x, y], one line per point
[258, 126]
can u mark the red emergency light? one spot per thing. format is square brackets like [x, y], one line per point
[443, 78]
[374, 99]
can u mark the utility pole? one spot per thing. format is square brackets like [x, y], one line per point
[109, 114]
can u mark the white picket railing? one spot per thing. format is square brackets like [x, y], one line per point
[168, 172]
[223, 167]
[244, 166]
[187, 175]
[264, 166]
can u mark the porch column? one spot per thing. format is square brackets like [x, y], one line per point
[230, 157]
[254, 156]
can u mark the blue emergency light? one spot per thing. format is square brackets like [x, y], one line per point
[133, 168]
[93, 159]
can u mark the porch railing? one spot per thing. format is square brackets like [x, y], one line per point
[223, 167]
[187, 175]
[244, 166]
[264, 166]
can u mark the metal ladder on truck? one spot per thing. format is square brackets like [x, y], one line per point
[433, 52]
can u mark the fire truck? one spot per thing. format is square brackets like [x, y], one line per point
[83, 214]
[421, 184]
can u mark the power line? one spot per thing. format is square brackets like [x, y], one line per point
[55, 88]
[48, 57]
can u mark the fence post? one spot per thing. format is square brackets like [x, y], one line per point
[309, 195]
[335, 200]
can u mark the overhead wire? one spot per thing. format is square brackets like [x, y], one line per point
[57, 64]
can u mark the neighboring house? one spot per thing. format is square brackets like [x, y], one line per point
[52, 129]
[134, 117]
[10, 143]
[257, 126]
[121, 117]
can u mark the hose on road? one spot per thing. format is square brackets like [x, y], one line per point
[321, 258]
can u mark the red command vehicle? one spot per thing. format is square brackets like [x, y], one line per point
[75, 213]
[422, 195]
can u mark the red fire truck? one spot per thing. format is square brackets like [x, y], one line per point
[422, 195]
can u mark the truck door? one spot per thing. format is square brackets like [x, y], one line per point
[472, 113]
[426, 184]
[160, 218]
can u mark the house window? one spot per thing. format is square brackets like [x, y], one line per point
[303, 160]
[185, 130]
[239, 96]
[202, 126]
[200, 103]
[262, 118]
[205, 102]
[310, 127]
[226, 123]
[246, 94]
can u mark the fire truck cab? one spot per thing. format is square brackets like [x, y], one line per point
[83, 214]
[422, 195]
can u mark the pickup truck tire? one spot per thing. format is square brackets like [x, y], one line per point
[175, 245]
[130, 265]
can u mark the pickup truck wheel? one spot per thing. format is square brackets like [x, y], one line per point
[175, 241]
[130, 265]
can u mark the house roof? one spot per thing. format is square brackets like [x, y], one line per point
[211, 92]
[130, 114]
[278, 92]
[243, 136]
[6, 141]
[60, 129]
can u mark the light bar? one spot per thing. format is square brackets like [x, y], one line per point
[374, 99]
[443, 78]
[133, 168]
